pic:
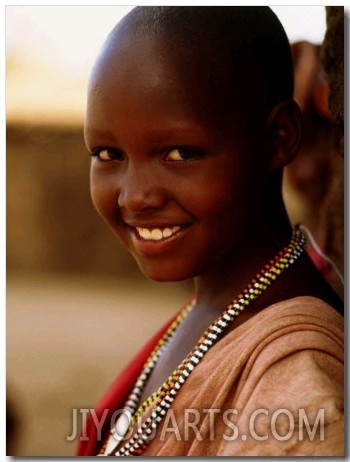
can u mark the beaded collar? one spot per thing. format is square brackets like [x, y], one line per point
[166, 394]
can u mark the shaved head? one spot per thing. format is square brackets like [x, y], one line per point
[246, 45]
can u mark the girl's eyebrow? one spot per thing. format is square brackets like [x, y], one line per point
[98, 135]
[151, 134]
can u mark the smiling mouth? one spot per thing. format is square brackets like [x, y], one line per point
[156, 234]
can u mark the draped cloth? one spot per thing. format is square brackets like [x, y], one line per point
[271, 387]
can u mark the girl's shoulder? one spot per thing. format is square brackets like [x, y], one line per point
[279, 331]
[295, 323]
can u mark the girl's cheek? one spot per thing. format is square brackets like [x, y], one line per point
[101, 198]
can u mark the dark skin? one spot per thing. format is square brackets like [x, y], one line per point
[169, 154]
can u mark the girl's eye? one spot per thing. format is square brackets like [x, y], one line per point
[108, 154]
[182, 154]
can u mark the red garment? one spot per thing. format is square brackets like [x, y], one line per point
[116, 396]
[321, 263]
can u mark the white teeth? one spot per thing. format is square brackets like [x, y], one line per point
[156, 234]
[167, 232]
[146, 233]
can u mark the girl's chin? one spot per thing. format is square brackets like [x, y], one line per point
[163, 272]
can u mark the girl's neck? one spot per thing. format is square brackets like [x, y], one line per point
[217, 287]
[266, 236]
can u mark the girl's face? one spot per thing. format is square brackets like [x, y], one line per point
[171, 172]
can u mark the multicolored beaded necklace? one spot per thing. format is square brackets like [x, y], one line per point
[166, 394]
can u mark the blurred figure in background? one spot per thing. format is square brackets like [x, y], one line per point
[332, 57]
[312, 177]
[333, 61]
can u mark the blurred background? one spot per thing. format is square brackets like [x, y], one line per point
[77, 305]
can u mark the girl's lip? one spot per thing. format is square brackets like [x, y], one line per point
[157, 233]
[157, 247]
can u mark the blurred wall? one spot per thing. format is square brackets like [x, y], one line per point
[51, 222]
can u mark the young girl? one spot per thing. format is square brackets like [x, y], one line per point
[190, 121]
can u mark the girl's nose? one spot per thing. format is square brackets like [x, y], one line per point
[140, 189]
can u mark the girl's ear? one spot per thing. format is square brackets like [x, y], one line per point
[284, 133]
